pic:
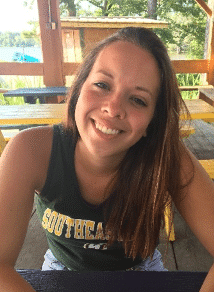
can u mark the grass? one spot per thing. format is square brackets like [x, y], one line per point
[189, 79]
[14, 82]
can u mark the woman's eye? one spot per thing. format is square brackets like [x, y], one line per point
[139, 101]
[102, 85]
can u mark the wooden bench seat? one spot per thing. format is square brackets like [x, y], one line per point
[208, 165]
[8, 134]
[5, 136]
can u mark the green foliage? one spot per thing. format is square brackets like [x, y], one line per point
[186, 19]
[14, 39]
[119, 7]
[189, 79]
[187, 23]
[14, 82]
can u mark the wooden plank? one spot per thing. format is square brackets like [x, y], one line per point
[191, 66]
[8, 134]
[207, 95]
[94, 35]
[199, 109]
[205, 7]
[111, 22]
[3, 90]
[15, 68]
[32, 114]
[2, 143]
[208, 165]
[201, 144]
[51, 38]
[210, 57]
[187, 130]
[70, 68]
[197, 87]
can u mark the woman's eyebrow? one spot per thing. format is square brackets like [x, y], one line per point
[140, 88]
[105, 73]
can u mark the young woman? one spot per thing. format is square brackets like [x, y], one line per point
[104, 177]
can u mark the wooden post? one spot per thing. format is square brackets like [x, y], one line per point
[205, 7]
[51, 38]
[210, 75]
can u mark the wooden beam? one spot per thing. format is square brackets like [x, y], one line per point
[51, 38]
[70, 68]
[15, 68]
[210, 75]
[3, 90]
[191, 66]
[196, 87]
[205, 7]
[111, 22]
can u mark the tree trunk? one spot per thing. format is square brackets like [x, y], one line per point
[151, 9]
[105, 8]
[71, 8]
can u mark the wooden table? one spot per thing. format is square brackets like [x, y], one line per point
[53, 113]
[31, 114]
[31, 94]
[63, 281]
[199, 110]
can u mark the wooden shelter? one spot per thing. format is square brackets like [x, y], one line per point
[80, 34]
[56, 33]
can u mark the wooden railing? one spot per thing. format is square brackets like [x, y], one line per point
[37, 69]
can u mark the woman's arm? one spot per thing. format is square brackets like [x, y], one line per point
[196, 205]
[22, 170]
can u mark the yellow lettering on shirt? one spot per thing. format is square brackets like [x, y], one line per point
[82, 229]
[59, 224]
[70, 223]
[78, 231]
[52, 221]
[89, 226]
[45, 218]
[100, 233]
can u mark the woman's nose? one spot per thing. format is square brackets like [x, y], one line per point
[114, 107]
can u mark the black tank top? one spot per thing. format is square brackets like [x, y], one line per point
[74, 228]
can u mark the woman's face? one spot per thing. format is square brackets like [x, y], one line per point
[117, 100]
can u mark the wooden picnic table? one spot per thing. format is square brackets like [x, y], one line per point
[199, 110]
[31, 94]
[31, 114]
[53, 113]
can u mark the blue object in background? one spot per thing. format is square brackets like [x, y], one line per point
[19, 57]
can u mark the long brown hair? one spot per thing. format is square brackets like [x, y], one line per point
[149, 176]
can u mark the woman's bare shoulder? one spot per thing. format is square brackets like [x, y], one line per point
[30, 151]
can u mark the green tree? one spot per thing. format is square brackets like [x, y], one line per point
[186, 19]
[187, 23]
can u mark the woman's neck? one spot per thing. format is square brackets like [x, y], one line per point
[96, 164]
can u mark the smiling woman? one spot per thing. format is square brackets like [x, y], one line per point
[104, 177]
[117, 98]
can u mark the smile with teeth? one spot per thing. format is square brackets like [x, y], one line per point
[105, 130]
